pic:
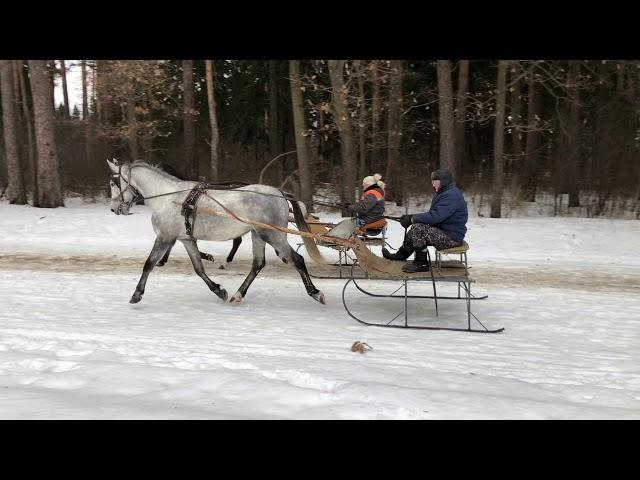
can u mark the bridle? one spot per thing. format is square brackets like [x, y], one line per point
[116, 179]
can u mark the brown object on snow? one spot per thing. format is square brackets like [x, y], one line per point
[360, 347]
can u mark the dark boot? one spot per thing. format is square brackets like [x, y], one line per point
[402, 254]
[420, 263]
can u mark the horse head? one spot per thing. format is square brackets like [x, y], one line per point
[123, 194]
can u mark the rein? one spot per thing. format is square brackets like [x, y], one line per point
[229, 214]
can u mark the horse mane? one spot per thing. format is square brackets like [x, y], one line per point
[155, 168]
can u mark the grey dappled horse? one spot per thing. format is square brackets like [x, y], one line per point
[205, 256]
[164, 194]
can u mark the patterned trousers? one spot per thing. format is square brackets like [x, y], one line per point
[422, 235]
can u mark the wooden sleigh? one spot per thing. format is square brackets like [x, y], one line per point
[372, 234]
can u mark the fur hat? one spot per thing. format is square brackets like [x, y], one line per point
[375, 179]
[444, 176]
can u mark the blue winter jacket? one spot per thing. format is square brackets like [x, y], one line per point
[448, 212]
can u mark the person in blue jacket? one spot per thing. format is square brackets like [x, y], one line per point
[443, 226]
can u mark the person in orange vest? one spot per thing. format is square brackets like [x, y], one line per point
[371, 208]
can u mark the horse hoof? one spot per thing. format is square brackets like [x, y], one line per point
[209, 257]
[237, 298]
[319, 296]
[135, 299]
[222, 267]
[160, 264]
[222, 293]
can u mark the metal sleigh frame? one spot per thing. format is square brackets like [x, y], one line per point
[437, 273]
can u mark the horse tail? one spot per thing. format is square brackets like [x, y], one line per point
[302, 225]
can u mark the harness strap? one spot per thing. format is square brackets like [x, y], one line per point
[189, 207]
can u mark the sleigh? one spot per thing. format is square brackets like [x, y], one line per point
[380, 273]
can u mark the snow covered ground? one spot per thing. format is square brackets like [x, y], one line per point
[567, 291]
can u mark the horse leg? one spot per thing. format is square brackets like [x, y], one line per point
[158, 250]
[258, 264]
[232, 253]
[194, 255]
[166, 255]
[205, 256]
[279, 243]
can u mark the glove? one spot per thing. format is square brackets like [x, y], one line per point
[406, 221]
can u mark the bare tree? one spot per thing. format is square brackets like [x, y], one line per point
[341, 115]
[516, 122]
[31, 147]
[51, 71]
[498, 140]
[138, 100]
[49, 186]
[189, 118]
[86, 116]
[533, 140]
[213, 119]
[273, 108]
[304, 170]
[362, 115]
[572, 152]
[461, 113]
[65, 91]
[445, 104]
[395, 133]
[132, 120]
[85, 100]
[375, 112]
[15, 187]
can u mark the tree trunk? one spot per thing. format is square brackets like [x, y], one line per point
[16, 85]
[393, 177]
[191, 169]
[445, 105]
[273, 109]
[304, 168]
[49, 186]
[86, 117]
[531, 152]
[631, 86]
[573, 154]
[15, 177]
[461, 113]
[103, 104]
[498, 141]
[620, 76]
[132, 122]
[375, 114]
[213, 119]
[65, 91]
[31, 146]
[51, 72]
[516, 133]
[362, 114]
[85, 101]
[94, 78]
[340, 105]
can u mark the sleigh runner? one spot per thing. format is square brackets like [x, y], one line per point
[380, 270]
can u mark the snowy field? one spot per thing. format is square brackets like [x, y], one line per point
[567, 291]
